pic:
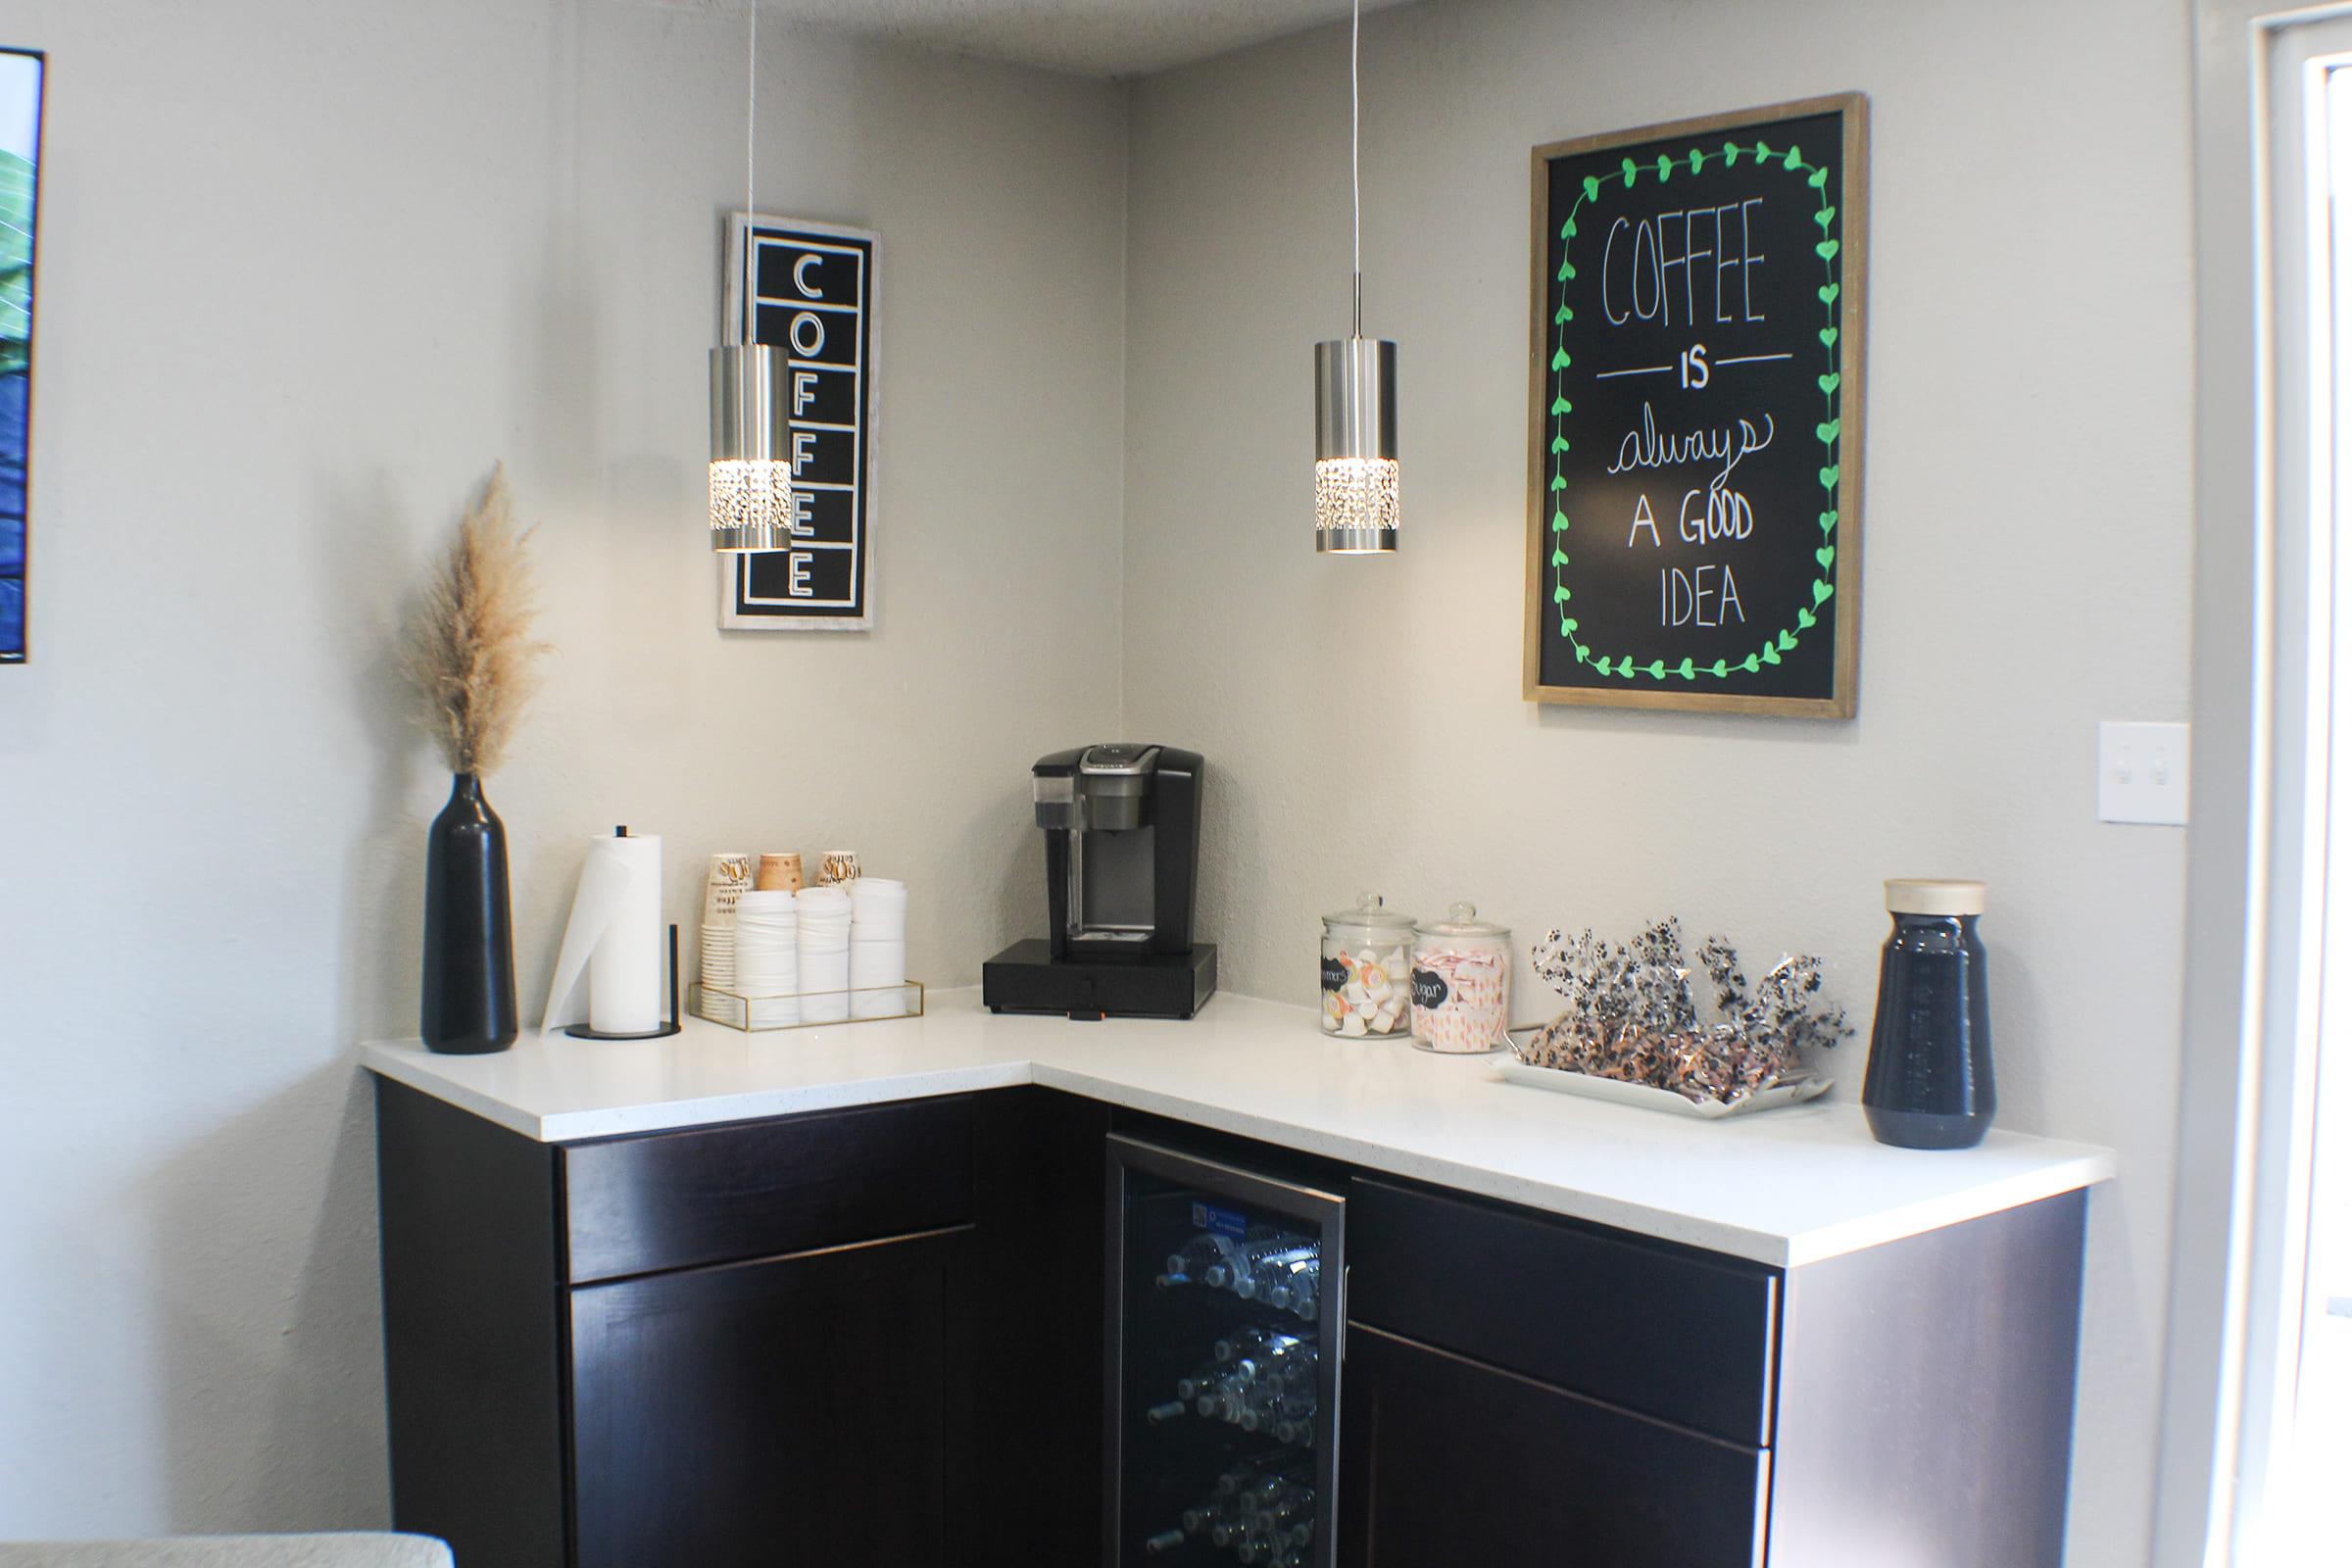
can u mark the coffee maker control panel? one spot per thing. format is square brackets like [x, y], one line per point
[1119, 759]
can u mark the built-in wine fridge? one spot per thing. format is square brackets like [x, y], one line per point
[1225, 1297]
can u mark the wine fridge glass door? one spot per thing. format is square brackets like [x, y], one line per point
[1225, 1294]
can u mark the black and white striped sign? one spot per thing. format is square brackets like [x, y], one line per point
[811, 287]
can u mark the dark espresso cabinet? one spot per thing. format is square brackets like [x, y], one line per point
[1624, 1389]
[814, 1409]
[877, 1337]
[1445, 1461]
[1527, 1391]
[764, 1344]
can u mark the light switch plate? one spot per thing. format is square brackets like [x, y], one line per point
[2143, 773]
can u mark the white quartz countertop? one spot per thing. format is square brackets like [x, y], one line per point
[1785, 1187]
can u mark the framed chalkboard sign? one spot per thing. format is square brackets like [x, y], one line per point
[811, 286]
[1695, 414]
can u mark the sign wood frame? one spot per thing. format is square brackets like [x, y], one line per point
[1797, 656]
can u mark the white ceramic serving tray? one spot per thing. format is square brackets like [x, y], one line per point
[1513, 1070]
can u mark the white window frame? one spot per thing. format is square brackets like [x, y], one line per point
[2263, 604]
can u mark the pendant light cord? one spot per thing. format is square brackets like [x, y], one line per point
[750, 115]
[1356, 163]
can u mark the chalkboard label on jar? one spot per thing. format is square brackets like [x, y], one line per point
[1429, 989]
[1335, 975]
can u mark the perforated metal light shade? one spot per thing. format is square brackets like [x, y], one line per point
[752, 503]
[1355, 446]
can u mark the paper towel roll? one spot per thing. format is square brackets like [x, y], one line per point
[624, 974]
[609, 968]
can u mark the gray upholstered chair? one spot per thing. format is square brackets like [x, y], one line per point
[356, 1549]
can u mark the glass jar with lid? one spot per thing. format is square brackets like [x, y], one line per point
[1461, 983]
[1366, 951]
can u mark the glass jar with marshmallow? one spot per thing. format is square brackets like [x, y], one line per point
[1366, 991]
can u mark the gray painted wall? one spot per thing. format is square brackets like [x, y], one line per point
[397, 243]
[2027, 529]
[307, 270]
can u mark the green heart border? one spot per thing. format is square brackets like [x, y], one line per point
[1622, 666]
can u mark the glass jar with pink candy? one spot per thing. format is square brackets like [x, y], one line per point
[1461, 983]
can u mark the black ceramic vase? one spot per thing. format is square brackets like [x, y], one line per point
[1930, 1081]
[468, 1004]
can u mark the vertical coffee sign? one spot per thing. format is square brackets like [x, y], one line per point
[810, 287]
[1694, 412]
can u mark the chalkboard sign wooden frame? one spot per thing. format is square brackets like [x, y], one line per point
[812, 287]
[1618, 593]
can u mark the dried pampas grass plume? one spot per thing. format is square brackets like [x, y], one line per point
[470, 649]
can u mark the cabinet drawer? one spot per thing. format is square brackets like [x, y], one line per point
[799, 1410]
[636, 1206]
[1446, 1464]
[1658, 1329]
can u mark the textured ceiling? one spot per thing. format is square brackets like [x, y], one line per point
[1088, 37]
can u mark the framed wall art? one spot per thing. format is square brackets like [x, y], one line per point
[1694, 412]
[811, 288]
[20, 79]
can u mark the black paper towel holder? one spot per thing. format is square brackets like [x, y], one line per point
[580, 1031]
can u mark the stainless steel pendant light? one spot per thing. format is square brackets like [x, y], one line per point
[1355, 389]
[752, 500]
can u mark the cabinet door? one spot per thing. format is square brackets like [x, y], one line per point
[809, 1409]
[1447, 1463]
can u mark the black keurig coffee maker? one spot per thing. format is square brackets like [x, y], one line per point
[1122, 826]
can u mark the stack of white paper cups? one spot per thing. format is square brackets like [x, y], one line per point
[877, 947]
[768, 956]
[824, 949]
[730, 877]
